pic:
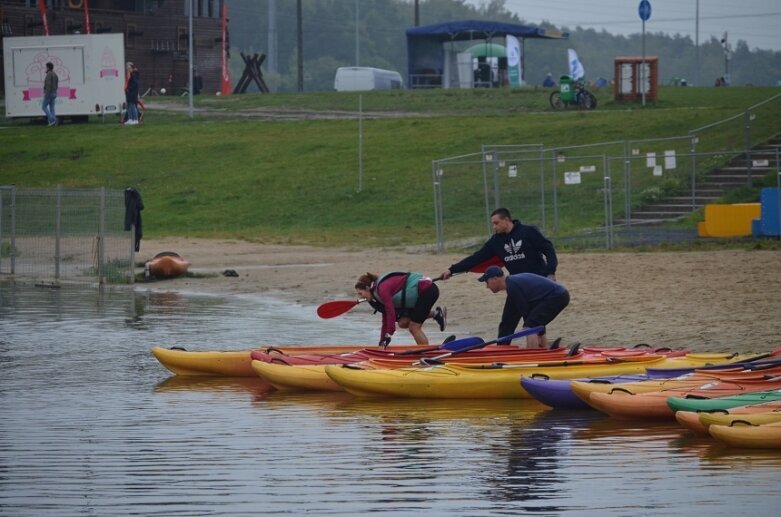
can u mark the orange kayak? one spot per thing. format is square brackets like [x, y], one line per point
[654, 404]
[167, 265]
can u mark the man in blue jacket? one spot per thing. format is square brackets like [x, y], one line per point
[522, 249]
[538, 299]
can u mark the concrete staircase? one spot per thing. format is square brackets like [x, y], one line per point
[716, 184]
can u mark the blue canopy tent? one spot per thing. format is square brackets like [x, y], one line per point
[431, 49]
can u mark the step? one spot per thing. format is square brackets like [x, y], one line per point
[658, 214]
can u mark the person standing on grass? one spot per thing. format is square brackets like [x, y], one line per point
[406, 298]
[50, 84]
[537, 299]
[522, 249]
[131, 94]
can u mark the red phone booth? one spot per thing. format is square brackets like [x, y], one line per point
[629, 78]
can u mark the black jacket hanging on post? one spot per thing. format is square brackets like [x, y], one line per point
[133, 207]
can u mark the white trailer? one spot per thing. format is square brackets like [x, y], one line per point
[360, 78]
[90, 67]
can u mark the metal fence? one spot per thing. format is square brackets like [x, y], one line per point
[73, 234]
[597, 195]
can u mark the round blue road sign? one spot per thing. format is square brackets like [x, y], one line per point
[644, 9]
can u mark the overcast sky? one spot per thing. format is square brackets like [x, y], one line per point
[758, 22]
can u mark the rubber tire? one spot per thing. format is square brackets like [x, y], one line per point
[587, 100]
[555, 101]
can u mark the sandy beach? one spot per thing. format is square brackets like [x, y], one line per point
[716, 300]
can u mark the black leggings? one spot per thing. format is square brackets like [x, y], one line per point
[420, 312]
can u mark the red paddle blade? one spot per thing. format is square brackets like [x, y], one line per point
[480, 268]
[333, 309]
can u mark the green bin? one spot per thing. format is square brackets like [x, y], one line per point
[566, 89]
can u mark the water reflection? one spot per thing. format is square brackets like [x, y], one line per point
[90, 423]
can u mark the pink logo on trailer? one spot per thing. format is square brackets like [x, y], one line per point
[36, 73]
[108, 64]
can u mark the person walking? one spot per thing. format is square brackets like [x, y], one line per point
[403, 298]
[50, 84]
[131, 94]
[537, 299]
[522, 248]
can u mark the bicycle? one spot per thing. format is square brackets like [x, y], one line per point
[573, 94]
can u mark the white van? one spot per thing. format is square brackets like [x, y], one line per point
[360, 78]
[90, 67]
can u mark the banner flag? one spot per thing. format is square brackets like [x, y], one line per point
[576, 70]
[513, 60]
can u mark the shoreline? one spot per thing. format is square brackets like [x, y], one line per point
[720, 301]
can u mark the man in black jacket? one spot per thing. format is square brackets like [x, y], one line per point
[522, 249]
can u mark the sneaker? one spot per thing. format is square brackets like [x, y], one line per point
[440, 316]
[52, 124]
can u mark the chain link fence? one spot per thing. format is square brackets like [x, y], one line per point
[73, 234]
[609, 194]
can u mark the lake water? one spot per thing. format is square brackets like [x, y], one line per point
[91, 424]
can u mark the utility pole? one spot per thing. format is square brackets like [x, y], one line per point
[300, 45]
[697, 45]
[190, 54]
[357, 43]
[272, 35]
[726, 79]
[417, 13]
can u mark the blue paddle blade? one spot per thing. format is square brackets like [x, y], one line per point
[461, 344]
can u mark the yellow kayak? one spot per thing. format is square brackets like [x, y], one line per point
[584, 389]
[767, 436]
[465, 382]
[300, 377]
[236, 363]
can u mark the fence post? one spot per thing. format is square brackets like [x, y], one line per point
[101, 236]
[694, 170]
[627, 186]
[608, 212]
[484, 157]
[436, 178]
[497, 200]
[13, 230]
[542, 186]
[57, 231]
[747, 116]
[132, 253]
[555, 194]
[778, 191]
[1, 229]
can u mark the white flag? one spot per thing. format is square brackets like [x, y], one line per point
[576, 70]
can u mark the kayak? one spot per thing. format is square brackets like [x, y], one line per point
[302, 377]
[167, 265]
[394, 359]
[234, 363]
[654, 404]
[767, 436]
[467, 382]
[694, 378]
[691, 421]
[722, 403]
[558, 394]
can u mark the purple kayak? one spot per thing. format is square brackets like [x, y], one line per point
[558, 394]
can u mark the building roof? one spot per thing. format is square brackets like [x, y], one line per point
[481, 29]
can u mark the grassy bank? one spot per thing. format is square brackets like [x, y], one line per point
[296, 180]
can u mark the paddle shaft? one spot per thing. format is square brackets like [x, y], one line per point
[522, 333]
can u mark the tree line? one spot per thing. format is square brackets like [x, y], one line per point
[329, 41]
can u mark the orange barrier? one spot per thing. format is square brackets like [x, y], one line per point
[728, 220]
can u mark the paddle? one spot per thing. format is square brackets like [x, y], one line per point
[472, 343]
[337, 308]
